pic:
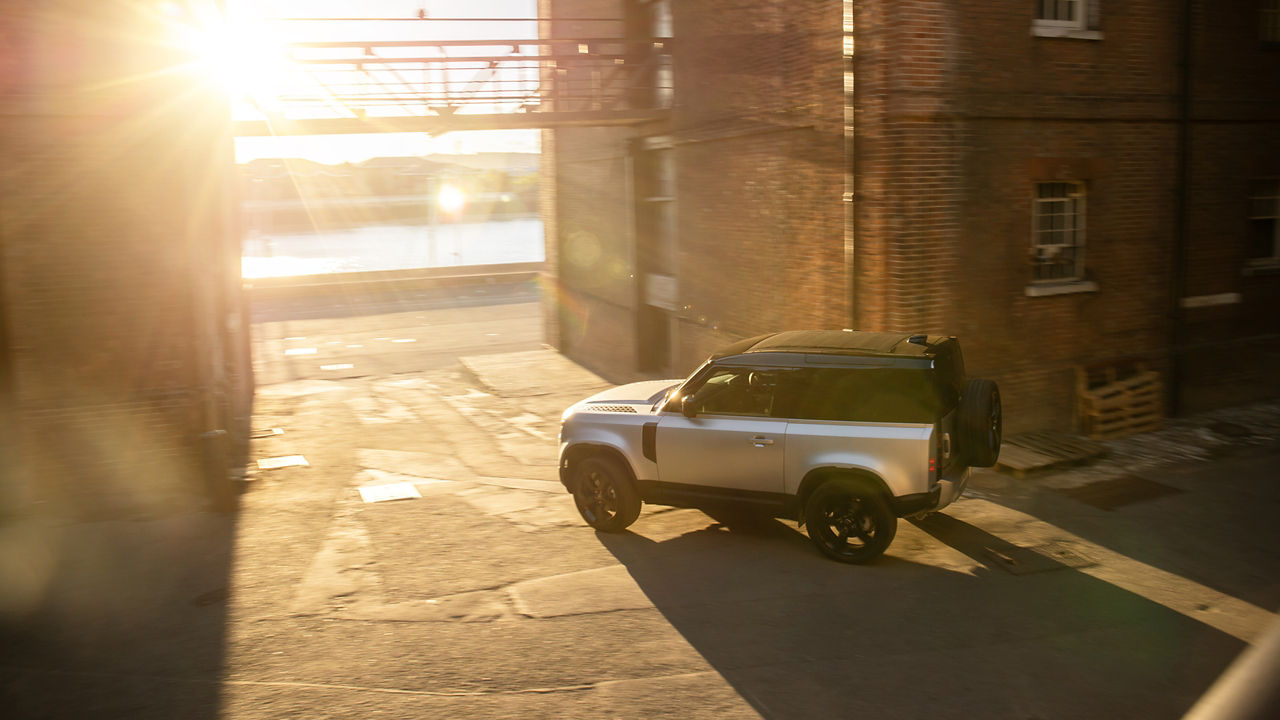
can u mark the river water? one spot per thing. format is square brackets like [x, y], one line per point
[392, 247]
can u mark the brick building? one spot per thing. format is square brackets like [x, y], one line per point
[1059, 183]
[124, 368]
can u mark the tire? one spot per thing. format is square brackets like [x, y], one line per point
[605, 496]
[849, 522]
[981, 423]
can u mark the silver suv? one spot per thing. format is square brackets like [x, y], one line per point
[843, 431]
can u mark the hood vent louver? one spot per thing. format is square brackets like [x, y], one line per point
[613, 408]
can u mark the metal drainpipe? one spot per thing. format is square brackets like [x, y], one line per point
[1183, 231]
[10, 468]
[850, 180]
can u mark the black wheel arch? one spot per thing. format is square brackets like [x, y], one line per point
[818, 476]
[577, 453]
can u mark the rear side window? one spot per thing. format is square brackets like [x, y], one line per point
[892, 395]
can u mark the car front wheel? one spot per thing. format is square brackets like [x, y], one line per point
[604, 494]
[849, 522]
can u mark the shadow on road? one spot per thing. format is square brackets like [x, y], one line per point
[919, 633]
[121, 618]
[1220, 531]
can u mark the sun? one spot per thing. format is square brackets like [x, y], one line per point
[236, 48]
[451, 199]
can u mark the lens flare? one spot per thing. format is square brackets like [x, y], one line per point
[451, 199]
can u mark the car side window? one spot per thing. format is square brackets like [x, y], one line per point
[861, 395]
[736, 391]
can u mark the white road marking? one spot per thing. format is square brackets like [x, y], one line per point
[273, 463]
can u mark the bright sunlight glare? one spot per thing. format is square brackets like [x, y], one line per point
[237, 49]
[451, 199]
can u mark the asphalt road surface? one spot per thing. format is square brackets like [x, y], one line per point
[486, 596]
[340, 334]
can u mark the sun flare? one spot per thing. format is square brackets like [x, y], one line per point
[238, 50]
[451, 199]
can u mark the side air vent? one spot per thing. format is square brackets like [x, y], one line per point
[613, 408]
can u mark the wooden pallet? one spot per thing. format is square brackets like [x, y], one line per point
[1118, 399]
[1027, 453]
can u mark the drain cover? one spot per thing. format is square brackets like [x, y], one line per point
[1118, 492]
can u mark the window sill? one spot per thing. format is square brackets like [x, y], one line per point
[1065, 32]
[1262, 266]
[1067, 288]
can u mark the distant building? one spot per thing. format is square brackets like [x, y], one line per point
[125, 380]
[1060, 184]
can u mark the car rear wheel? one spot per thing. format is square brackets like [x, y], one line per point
[604, 494]
[849, 522]
[981, 423]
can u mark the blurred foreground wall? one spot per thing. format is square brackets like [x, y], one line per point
[123, 344]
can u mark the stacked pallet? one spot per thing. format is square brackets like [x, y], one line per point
[1118, 399]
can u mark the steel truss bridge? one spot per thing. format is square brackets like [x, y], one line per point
[463, 74]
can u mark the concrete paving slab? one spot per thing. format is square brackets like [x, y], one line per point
[500, 501]
[531, 372]
[552, 487]
[300, 388]
[606, 589]
[412, 463]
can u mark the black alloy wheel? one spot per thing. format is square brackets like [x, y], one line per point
[604, 494]
[848, 522]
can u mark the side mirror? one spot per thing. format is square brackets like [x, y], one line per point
[688, 407]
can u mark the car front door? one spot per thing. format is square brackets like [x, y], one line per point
[731, 441]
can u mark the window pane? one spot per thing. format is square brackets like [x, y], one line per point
[738, 391]
[1263, 244]
[1058, 231]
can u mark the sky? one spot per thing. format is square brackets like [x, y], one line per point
[335, 149]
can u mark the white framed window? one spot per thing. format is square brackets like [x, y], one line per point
[1264, 217]
[1068, 14]
[1269, 21]
[1057, 232]
[1076, 19]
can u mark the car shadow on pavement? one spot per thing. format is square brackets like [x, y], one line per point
[1219, 531]
[115, 617]
[920, 632]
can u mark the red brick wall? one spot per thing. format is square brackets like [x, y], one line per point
[960, 110]
[590, 288]
[758, 131]
[907, 170]
[1041, 109]
[761, 236]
